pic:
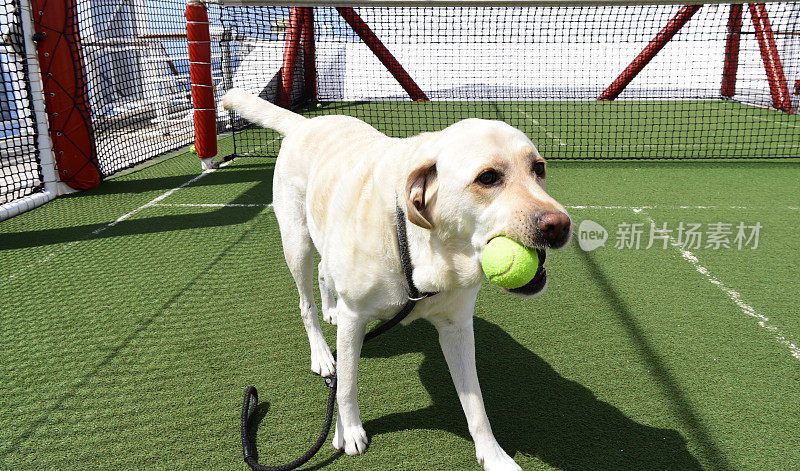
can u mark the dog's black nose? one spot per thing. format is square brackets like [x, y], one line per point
[554, 227]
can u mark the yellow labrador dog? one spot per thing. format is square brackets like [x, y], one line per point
[338, 183]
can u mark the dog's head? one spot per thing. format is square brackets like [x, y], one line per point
[480, 179]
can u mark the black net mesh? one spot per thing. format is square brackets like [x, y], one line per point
[541, 70]
[136, 70]
[20, 171]
[138, 78]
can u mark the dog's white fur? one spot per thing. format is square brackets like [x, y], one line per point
[336, 185]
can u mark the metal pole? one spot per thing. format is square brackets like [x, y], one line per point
[650, 51]
[309, 54]
[772, 61]
[290, 51]
[731, 65]
[383, 54]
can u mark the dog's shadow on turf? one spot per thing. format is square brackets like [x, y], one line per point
[533, 410]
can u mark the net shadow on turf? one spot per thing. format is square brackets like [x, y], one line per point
[161, 223]
[243, 173]
[532, 408]
[681, 406]
[63, 396]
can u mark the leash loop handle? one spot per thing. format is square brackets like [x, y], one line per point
[251, 402]
[248, 410]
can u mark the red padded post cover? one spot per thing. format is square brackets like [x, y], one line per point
[205, 110]
[66, 97]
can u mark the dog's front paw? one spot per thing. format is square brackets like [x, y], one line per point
[351, 440]
[322, 362]
[329, 315]
[493, 458]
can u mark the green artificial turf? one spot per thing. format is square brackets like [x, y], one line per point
[623, 129]
[129, 329]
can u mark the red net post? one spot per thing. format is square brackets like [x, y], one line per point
[387, 59]
[309, 54]
[772, 61]
[205, 110]
[290, 50]
[66, 96]
[656, 44]
[732, 40]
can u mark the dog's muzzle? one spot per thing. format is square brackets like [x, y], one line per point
[539, 280]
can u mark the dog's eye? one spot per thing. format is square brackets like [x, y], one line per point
[538, 168]
[488, 178]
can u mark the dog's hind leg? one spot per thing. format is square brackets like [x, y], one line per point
[327, 294]
[299, 252]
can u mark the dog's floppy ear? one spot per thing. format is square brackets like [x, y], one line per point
[421, 187]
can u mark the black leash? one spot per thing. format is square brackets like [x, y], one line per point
[251, 394]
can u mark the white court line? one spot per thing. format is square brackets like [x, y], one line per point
[213, 205]
[150, 203]
[578, 206]
[734, 296]
[549, 134]
[742, 146]
[155, 200]
[712, 207]
[776, 122]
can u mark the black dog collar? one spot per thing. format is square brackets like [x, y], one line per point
[405, 256]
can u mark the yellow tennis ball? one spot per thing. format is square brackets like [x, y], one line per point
[509, 264]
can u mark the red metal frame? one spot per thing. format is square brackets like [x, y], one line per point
[309, 54]
[731, 65]
[766, 42]
[650, 51]
[205, 110]
[772, 61]
[66, 95]
[291, 48]
[387, 59]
